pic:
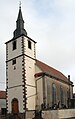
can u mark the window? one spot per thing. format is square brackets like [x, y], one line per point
[48, 93]
[3, 111]
[13, 61]
[29, 44]
[14, 45]
[68, 94]
[61, 95]
[68, 98]
[53, 94]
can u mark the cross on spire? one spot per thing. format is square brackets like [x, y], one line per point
[19, 4]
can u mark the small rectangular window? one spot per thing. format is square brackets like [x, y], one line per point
[29, 44]
[14, 45]
[13, 61]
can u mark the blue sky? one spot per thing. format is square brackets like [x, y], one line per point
[51, 23]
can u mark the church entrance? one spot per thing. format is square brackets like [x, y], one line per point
[15, 107]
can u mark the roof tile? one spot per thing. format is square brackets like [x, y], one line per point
[45, 68]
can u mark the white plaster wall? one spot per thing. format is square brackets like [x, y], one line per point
[15, 76]
[39, 98]
[39, 83]
[15, 89]
[31, 103]
[30, 82]
[30, 71]
[13, 53]
[37, 69]
[29, 52]
[71, 92]
[15, 93]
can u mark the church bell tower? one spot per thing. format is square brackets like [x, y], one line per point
[20, 70]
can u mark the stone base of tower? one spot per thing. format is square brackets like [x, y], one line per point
[30, 114]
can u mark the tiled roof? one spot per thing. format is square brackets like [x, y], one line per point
[45, 68]
[2, 94]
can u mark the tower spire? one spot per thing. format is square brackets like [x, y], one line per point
[19, 24]
[19, 4]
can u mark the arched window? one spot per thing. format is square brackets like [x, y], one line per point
[53, 94]
[67, 98]
[48, 93]
[67, 94]
[61, 95]
[15, 107]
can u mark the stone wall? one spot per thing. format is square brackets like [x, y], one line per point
[49, 114]
[58, 114]
[30, 114]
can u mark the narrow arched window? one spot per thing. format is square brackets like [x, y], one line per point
[67, 98]
[61, 95]
[53, 94]
[48, 93]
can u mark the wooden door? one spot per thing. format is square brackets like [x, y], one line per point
[15, 108]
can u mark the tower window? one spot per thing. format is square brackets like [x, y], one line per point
[13, 61]
[14, 45]
[29, 44]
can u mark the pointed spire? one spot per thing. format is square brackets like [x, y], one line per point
[19, 24]
[20, 13]
[20, 5]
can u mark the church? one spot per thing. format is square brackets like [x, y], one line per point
[30, 83]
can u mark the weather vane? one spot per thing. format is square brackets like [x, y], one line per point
[20, 4]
